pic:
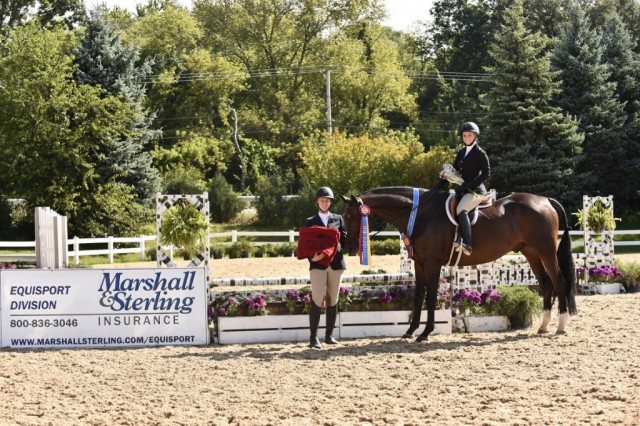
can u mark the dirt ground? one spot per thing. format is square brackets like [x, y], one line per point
[589, 376]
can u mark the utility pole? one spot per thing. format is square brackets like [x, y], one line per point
[328, 76]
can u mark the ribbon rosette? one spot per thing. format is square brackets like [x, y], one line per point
[364, 246]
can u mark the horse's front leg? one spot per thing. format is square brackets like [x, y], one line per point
[418, 300]
[432, 281]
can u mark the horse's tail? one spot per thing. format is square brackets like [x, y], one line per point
[565, 259]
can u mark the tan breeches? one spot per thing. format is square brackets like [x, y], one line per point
[325, 282]
[469, 202]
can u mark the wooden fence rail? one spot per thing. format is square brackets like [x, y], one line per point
[110, 246]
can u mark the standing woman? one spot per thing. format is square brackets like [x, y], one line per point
[473, 164]
[325, 280]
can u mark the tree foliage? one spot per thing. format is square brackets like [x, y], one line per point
[523, 128]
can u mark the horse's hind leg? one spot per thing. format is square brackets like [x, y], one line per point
[545, 285]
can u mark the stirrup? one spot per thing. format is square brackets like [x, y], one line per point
[460, 246]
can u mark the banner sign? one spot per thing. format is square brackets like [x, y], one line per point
[103, 307]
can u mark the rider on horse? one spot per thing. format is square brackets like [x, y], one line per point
[472, 163]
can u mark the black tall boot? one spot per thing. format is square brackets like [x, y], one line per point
[314, 322]
[332, 313]
[464, 245]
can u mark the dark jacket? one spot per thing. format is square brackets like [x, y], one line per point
[474, 169]
[335, 221]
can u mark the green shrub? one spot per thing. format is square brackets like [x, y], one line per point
[631, 272]
[286, 249]
[224, 203]
[269, 203]
[520, 304]
[217, 251]
[298, 209]
[240, 249]
[183, 180]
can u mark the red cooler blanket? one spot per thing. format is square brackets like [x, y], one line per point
[316, 239]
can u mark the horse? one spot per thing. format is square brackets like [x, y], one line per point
[519, 222]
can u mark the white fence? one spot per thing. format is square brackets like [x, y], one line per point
[111, 246]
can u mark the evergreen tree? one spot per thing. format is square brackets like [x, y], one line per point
[588, 94]
[532, 146]
[103, 60]
[625, 72]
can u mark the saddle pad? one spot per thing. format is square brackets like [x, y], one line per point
[474, 213]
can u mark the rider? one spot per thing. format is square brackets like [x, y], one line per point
[472, 163]
[325, 280]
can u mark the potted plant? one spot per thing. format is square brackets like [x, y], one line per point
[631, 272]
[184, 227]
[599, 217]
[519, 304]
[604, 278]
[217, 251]
[240, 249]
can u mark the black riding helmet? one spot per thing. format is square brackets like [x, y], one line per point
[324, 191]
[470, 126]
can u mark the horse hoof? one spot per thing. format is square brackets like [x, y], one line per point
[560, 333]
[421, 339]
[407, 336]
[543, 331]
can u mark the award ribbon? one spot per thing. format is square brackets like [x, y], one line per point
[364, 246]
[406, 239]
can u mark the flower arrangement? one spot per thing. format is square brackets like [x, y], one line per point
[467, 302]
[298, 301]
[8, 266]
[256, 305]
[344, 298]
[603, 274]
[396, 297]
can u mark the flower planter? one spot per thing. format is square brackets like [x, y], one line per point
[607, 288]
[481, 323]
[295, 328]
[388, 323]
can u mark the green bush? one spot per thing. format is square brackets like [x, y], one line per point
[240, 249]
[520, 304]
[224, 203]
[183, 180]
[217, 251]
[631, 272]
[270, 204]
[298, 209]
[286, 249]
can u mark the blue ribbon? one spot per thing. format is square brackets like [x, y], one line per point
[412, 221]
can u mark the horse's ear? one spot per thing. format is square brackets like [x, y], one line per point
[345, 199]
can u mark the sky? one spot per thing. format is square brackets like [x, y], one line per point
[403, 13]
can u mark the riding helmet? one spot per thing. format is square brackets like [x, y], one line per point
[470, 126]
[324, 191]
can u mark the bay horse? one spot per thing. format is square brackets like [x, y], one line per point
[519, 222]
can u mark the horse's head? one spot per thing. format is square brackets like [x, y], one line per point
[352, 221]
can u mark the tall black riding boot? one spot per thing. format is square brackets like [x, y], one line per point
[314, 322]
[465, 230]
[332, 313]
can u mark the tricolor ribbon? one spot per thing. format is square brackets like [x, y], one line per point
[406, 239]
[364, 246]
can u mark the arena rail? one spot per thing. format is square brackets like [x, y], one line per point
[110, 246]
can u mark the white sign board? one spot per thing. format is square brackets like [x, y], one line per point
[103, 307]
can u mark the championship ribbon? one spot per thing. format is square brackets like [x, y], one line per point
[364, 247]
[406, 239]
